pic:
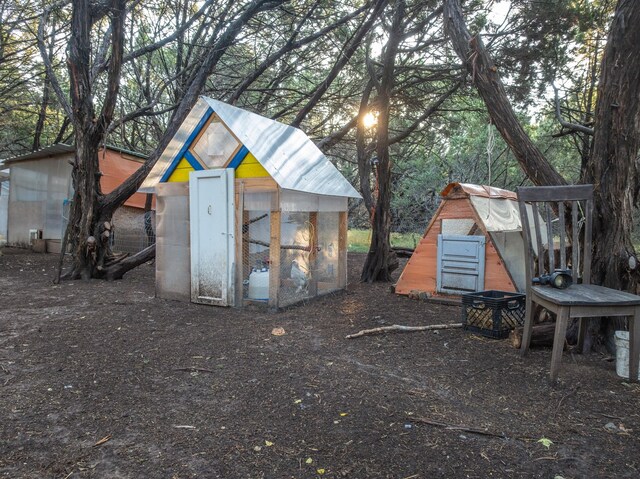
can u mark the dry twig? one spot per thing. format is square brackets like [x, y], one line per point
[397, 328]
[102, 441]
[451, 427]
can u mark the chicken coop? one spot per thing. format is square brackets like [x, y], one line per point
[472, 243]
[249, 210]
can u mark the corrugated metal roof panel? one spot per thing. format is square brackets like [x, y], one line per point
[57, 149]
[287, 153]
[62, 148]
[478, 190]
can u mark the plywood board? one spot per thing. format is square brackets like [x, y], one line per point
[420, 273]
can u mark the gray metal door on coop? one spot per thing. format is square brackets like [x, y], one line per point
[460, 263]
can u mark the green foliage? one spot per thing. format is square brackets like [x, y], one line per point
[358, 240]
[537, 43]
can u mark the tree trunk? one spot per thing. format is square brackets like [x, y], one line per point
[90, 225]
[484, 74]
[362, 152]
[91, 212]
[378, 265]
[612, 167]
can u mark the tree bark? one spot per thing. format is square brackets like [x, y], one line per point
[86, 241]
[484, 74]
[613, 163]
[362, 152]
[377, 266]
[91, 212]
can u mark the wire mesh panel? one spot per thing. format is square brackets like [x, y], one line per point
[297, 271]
[133, 230]
[256, 238]
[255, 255]
[326, 270]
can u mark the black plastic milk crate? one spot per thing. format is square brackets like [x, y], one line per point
[493, 313]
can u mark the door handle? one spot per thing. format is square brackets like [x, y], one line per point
[209, 209]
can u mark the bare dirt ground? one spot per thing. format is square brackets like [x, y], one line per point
[180, 390]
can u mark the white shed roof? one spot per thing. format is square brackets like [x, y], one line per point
[287, 153]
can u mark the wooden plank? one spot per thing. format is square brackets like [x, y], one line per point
[419, 267]
[550, 252]
[526, 237]
[274, 260]
[634, 345]
[586, 270]
[313, 254]
[239, 246]
[558, 341]
[343, 221]
[495, 271]
[538, 233]
[562, 233]
[575, 244]
[555, 193]
[587, 294]
[251, 168]
[257, 185]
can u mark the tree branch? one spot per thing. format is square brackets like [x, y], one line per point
[46, 59]
[348, 51]
[566, 124]
[485, 76]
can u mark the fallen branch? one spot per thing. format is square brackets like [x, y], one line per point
[117, 270]
[397, 328]
[451, 427]
[541, 335]
[403, 252]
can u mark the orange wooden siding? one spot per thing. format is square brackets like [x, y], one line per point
[421, 270]
[117, 167]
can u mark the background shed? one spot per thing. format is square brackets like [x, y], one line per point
[4, 204]
[249, 210]
[40, 191]
[472, 243]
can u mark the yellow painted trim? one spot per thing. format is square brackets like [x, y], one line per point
[181, 172]
[251, 168]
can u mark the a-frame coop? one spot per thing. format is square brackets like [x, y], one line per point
[472, 243]
[248, 210]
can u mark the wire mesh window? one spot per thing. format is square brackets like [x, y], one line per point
[255, 254]
[256, 238]
[296, 269]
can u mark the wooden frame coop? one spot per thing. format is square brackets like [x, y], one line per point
[472, 243]
[248, 210]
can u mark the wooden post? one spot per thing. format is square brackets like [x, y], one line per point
[274, 260]
[343, 220]
[313, 254]
[239, 245]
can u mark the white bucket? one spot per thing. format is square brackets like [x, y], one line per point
[259, 285]
[622, 354]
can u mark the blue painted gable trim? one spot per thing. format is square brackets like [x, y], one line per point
[193, 161]
[237, 159]
[185, 147]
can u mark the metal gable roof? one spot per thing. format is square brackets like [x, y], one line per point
[287, 153]
[46, 152]
[63, 148]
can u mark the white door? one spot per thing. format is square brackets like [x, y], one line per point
[211, 212]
